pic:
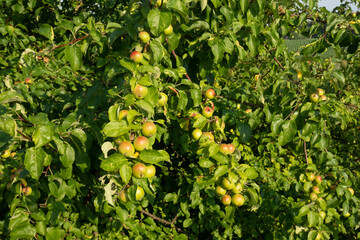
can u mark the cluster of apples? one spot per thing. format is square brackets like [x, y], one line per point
[317, 96]
[7, 153]
[230, 192]
[315, 189]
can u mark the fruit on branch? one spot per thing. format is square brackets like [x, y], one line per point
[196, 133]
[207, 112]
[210, 93]
[168, 30]
[27, 191]
[313, 196]
[220, 190]
[226, 200]
[227, 184]
[140, 91]
[237, 188]
[320, 91]
[351, 191]
[248, 110]
[315, 189]
[161, 2]
[322, 214]
[310, 176]
[123, 196]
[314, 97]
[6, 154]
[136, 56]
[139, 170]
[122, 114]
[208, 135]
[224, 148]
[163, 99]
[126, 148]
[318, 236]
[231, 148]
[144, 36]
[148, 129]
[318, 179]
[238, 200]
[139, 193]
[150, 171]
[28, 80]
[141, 143]
[323, 98]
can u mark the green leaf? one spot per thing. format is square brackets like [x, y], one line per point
[24, 230]
[154, 156]
[42, 135]
[122, 214]
[74, 56]
[205, 163]
[251, 173]
[313, 218]
[53, 233]
[157, 50]
[179, 7]
[288, 132]
[146, 106]
[213, 149]
[221, 170]
[47, 31]
[158, 21]
[220, 158]
[218, 49]
[244, 5]
[116, 128]
[187, 223]
[245, 131]
[68, 158]
[34, 161]
[129, 65]
[196, 96]
[200, 121]
[339, 76]
[125, 173]
[113, 162]
[253, 44]
[11, 96]
[183, 100]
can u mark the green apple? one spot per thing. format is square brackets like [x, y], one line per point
[314, 97]
[161, 2]
[122, 114]
[136, 56]
[210, 93]
[6, 154]
[144, 36]
[315, 189]
[310, 176]
[123, 196]
[227, 184]
[237, 188]
[126, 148]
[219, 190]
[313, 196]
[226, 200]
[320, 91]
[139, 170]
[224, 148]
[148, 129]
[139, 193]
[196, 133]
[141, 143]
[163, 100]
[238, 200]
[351, 191]
[318, 236]
[322, 214]
[207, 112]
[140, 91]
[168, 30]
[150, 171]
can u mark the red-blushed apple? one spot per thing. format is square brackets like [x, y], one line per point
[314, 97]
[315, 189]
[207, 112]
[210, 93]
[237, 188]
[168, 30]
[231, 148]
[226, 200]
[27, 191]
[224, 148]
[163, 99]
[208, 135]
[28, 80]
[122, 114]
[150, 171]
[323, 98]
[313, 196]
[227, 184]
[140, 91]
[318, 179]
[238, 200]
[13, 154]
[196, 133]
[141, 143]
[136, 56]
[144, 37]
[248, 110]
[126, 148]
[123, 196]
[320, 91]
[219, 190]
[139, 193]
[149, 129]
[139, 170]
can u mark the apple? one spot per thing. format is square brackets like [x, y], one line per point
[139, 170]
[224, 148]
[238, 200]
[210, 93]
[227, 184]
[248, 110]
[351, 191]
[123, 196]
[226, 200]
[237, 188]
[139, 193]
[196, 134]
[315, 189]
[208, 135]
[6, 154]
[314, 97]
[140, 91]
[322, 214]
[126, 148]
[136, 56]
[28, 80]
[161, 2]
[163, 100]
[219, 190]
[148, 129]
[13, 154]
[141, 143]
[144, 36]
[168, 30]
[231, 148]
[323, 98]
[310, 176]
[122, 114]
[318, 179]
[313, 196]
[346, 214]
[318, 236]
[150, 171]
[27, 191]
[207, 112]
[320, 91]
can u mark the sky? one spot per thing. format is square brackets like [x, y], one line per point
[331, 4]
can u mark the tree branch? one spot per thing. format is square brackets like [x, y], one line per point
[282, 67]
[305, 153]
[76, 40]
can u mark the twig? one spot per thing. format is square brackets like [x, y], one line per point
[305, 153]
[279, 63]
[163, 220]
[173, 221]
[292, 111]
[76, 40]
[24, 135]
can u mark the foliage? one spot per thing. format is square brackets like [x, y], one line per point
[67, 76]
